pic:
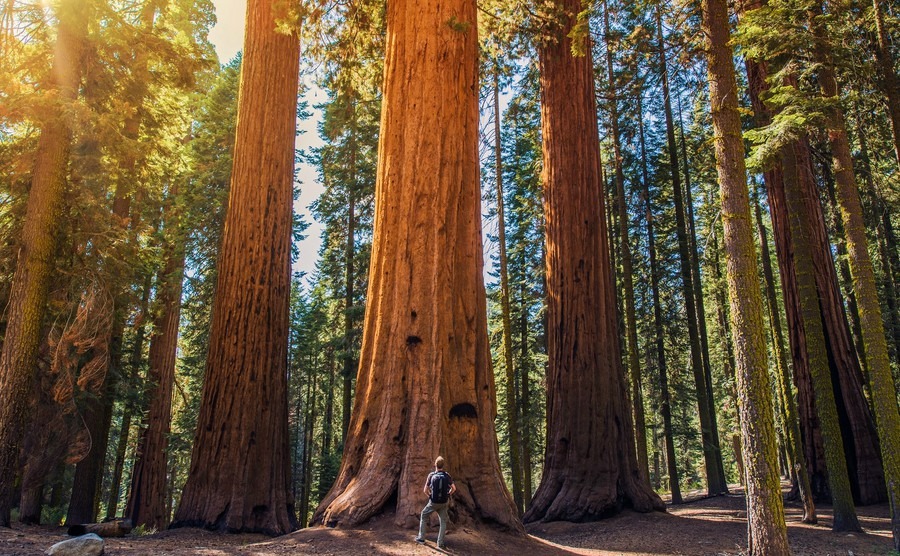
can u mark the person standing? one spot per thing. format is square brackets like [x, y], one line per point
[439, 487]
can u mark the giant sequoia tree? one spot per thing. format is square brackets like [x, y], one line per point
[590, 462]
[28, 291]
[240, 471]
[425, 385]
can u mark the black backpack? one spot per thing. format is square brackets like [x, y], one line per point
[440, 487]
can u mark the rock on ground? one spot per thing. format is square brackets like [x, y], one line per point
[85, 545]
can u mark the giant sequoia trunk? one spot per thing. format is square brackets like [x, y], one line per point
[765, 509]
[149, 480]
[28, 292]
[240, 469]
[425, 385]
[590, 463]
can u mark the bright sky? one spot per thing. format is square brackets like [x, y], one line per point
[228, 38]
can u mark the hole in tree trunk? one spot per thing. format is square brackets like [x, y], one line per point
[462, 410]
[413, 341]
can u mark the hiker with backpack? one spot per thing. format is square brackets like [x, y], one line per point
[439, 487]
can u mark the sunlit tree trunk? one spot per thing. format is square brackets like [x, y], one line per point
[425, 385]
[590, 463]
[28, 292]
[240, 469]
[765, 510]
[881, 384]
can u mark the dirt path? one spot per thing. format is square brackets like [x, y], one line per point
[715, 526]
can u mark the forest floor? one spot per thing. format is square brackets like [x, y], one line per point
[703, 526]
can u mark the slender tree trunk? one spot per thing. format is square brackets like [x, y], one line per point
[881, 384]
[425, 363]
[306, 473]
[28, 291]
[515, 446]
[663, 380]
[700, 303]
[887, 249]
[147, 499]
[590, 463]
[712, 455]
[524, 367]
[137, 354]
[240, 469]
[765, 510]
[350, 363]
[634, 369]
[843, 267]
[888, 79]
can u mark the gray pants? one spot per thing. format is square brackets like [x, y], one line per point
[441, 510]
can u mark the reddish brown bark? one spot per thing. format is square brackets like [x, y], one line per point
[147, 499]
[425, 385]
[28, 292]
[590, 463]
[239, 475]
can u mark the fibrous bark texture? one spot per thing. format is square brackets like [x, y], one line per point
[425, 385]
[240, 468]
[28, 292]
[590, 463]
[765, 510]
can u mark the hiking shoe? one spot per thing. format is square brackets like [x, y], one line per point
[420, 540]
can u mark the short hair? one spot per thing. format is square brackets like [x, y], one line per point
[439, 462]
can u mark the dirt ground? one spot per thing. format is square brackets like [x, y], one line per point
[713, 526]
